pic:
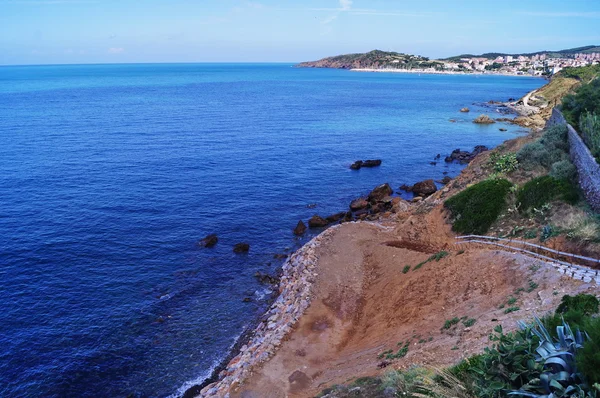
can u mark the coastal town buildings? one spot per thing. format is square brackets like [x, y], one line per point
[538, 64]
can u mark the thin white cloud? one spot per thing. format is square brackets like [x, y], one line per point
[345, 4]
[568, 14]
[116, 50]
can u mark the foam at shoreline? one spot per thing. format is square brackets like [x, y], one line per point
[298, 275]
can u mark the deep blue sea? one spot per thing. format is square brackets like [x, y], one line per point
[111, 174]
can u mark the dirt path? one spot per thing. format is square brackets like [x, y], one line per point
[364, 304]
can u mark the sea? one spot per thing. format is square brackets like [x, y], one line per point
[110, 175]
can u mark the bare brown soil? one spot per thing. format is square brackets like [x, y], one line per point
[364, 304]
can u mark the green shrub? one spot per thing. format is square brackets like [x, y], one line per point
[504, 163]
[556, 137]
[585, 99]
[586, 303]
[450, 322]
[406, 269]
[583, 73]
[542, 190]
[589, 127]
[476, 208]
[563, 170]
[553, 147]
[588, 357]
[532, 155]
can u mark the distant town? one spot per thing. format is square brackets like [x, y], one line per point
[541, 63]
[535, 65]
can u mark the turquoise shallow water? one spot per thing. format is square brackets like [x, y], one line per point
[110, 174]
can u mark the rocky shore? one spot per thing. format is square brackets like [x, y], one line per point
[298, 275]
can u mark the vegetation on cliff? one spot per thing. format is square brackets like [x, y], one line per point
[375, 59]
[582, 108]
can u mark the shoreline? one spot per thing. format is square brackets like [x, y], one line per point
[432, 72]
[260, 341]
[278, 321]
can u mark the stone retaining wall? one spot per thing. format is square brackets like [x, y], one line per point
[587, 167]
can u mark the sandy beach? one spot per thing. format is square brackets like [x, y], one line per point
[434, 72]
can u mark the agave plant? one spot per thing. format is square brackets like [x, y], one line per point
[559, 377]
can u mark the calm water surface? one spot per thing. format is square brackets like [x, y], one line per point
[110, 174]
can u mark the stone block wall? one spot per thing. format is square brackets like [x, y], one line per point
[588, 169]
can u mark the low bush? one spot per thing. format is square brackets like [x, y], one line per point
[563, 170]
[585, 99]
[586, 303]
[553, 147]
[542, 190]
[588, 357]
[476, 208]
[589, 127]
[504, 163]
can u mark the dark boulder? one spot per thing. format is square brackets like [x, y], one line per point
[209, 241]
[446, 180]
[380, 192]
[300, 228]
[358, 204]
[317, 222]
[406, 188]
[372, 163]
[465, 157]
[266, 278]
[424, 188]
[502, 129]
[241, 248]
[356, 165]
[366, 163]
[335, 217]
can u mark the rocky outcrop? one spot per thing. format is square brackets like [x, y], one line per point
[465, 109]
[365, 163]
[484, 119]
[241, 247]
[300, 228]
[335, 217]
[317, 222]
[464, 157]
[424, 188]
[209, 241]
[380, 192]
[358, 204]
[375, 59]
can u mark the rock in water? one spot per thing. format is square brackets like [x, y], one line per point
[241, 248]
[300, 228]
[502, 129]
[358, 204]
[465, 109]
[335, 217]
[484, 119]
[317, 222]
[380, 192]
[367, 163]
[424, 188]
[356, 165]
[446, 180]
[209, 241]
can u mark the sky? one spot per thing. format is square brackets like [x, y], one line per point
[131, 31]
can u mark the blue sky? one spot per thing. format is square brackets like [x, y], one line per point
[107, 31]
